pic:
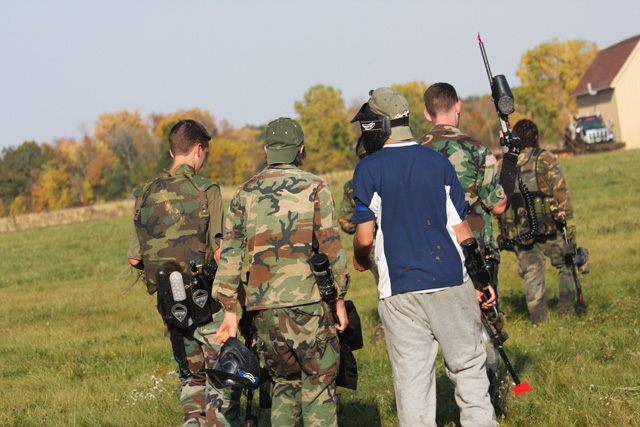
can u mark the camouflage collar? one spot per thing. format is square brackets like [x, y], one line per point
[445, 128]
[184, 169]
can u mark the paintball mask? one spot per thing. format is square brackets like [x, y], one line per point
[237, 366]
[375, 128]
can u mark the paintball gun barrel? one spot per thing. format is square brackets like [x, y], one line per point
[510, 143]
[493, 322]
[577, 257]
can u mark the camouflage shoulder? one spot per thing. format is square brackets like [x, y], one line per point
[140, 191]
[202, 183]
[548, 156]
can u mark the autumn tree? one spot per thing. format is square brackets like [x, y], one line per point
[229, 162]
[325, 123]
[19, 168]
[549, 73]
[252, 138]
[128, 137]
[51, 191]
[414, 93]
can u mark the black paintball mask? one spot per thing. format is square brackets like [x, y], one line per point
[236, 366]
[375, 128]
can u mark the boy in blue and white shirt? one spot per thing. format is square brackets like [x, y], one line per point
[413, 196]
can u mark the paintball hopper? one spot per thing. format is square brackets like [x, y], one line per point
[237, 366]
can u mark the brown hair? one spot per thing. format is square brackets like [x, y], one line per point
[528, 132]
[186, 134]
[439, 98]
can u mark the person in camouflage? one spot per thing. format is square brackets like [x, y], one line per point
[346, 223]
[542, 175]
[179, 218]
[276, 216]
[474, 163]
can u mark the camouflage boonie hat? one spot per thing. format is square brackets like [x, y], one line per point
[392, 103]
[283, 139]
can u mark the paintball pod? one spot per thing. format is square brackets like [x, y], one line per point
[578, 260]
[184, 303]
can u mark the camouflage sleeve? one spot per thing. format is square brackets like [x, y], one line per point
[216, 219]
[328, 235]
[232, 255]
[551, 181]
[134, 243]
[489, 189]
[346, 209]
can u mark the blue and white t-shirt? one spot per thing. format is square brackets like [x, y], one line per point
[414, 195]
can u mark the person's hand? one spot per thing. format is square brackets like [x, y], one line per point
[363, 264]
[490, 298]
[341, 311]
[228, 328]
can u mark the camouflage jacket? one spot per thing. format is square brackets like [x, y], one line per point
[172, 222]
[541, 168]
[273, 216]
[346, 209]
[476, 170]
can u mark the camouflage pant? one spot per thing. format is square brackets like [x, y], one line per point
[532, 260]
[202, 403]
[299, 347]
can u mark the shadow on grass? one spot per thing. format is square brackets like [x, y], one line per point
[514, 303]
[359, 413]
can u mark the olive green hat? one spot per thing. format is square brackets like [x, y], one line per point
[283, 139]
[388, 102]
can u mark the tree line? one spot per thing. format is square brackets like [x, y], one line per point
[127, 150]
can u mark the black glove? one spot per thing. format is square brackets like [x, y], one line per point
[511, 144]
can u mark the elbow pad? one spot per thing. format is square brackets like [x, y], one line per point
[475, 263]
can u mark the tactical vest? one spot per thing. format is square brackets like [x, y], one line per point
[514, 221]
[172, 220]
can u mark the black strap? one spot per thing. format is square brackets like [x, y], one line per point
[402, 121]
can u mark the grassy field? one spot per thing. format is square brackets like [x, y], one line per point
[80, 345]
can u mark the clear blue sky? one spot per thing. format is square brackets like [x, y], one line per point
[65, 62]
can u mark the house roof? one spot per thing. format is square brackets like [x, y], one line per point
[605, 67]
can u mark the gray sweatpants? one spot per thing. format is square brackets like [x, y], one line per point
[414, 325]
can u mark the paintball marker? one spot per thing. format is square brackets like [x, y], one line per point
[578, 258]
[493, 322]
[351, 338]
[510, 143]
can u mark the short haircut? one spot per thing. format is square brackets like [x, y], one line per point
[185, 135]
[528, 132]
[440, 98]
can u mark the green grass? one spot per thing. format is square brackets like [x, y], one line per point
[78, 347]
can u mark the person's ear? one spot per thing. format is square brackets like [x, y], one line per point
[428, 116]
[171, 154]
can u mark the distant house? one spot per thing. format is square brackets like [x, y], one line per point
[611, 86]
